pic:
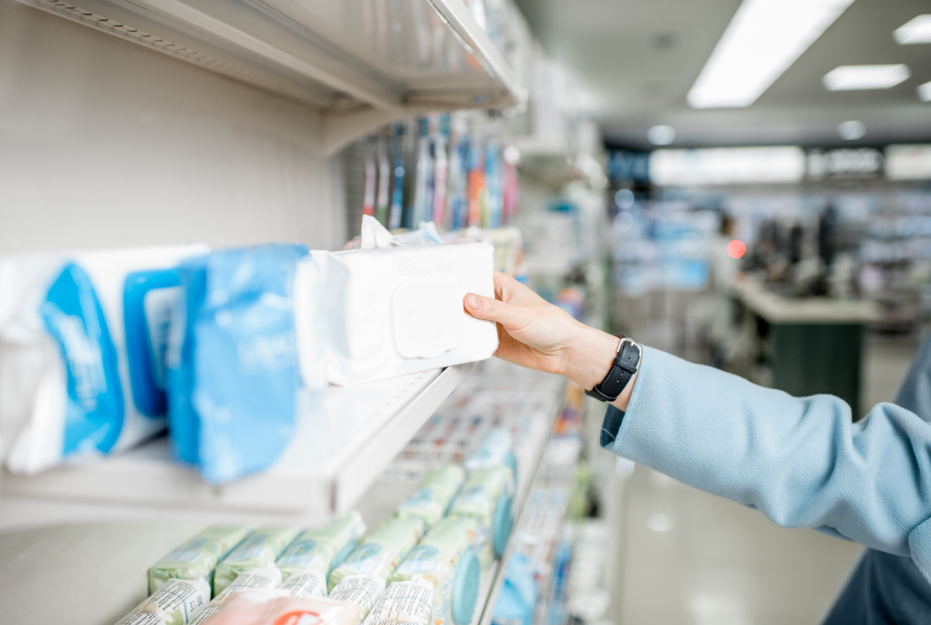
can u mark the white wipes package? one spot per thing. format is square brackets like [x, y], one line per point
[82, 345]
[395, 309]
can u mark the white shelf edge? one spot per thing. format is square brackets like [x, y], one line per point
[362, 90]
[457, 16]
[356, 475]
[145, 483]
[190, 26]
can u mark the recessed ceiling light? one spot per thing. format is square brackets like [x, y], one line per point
[917, 30]
[924, 92]
[763, 39]
[661, 135]
[856, 77]
[851, 130]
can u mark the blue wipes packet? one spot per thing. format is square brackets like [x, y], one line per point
[72, 315]
[233, 363]
[148, 303]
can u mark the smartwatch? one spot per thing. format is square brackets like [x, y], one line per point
[625, 365]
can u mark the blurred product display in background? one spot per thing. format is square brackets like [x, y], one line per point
[234, 242]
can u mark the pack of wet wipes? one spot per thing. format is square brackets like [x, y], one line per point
[236, 386]
[82, 344]
[395, 307]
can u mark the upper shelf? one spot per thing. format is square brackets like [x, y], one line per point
[359, 62]
[337, 452]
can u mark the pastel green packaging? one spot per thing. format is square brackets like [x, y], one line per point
[407, 603]
[308, 583]
[485, 498]
[322, 549]
[359, 590]
[261, 547]
[382, 551]
[432, 497]
[446, 558]
[176, 602]
[198, 557]
[261, 578]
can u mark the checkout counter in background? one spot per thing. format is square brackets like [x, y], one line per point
[808, 345]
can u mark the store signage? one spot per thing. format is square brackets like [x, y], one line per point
[908, 162]
[844, 163]
[726, 166]
[629, 166]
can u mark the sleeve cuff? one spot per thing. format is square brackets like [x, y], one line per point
[611, 426]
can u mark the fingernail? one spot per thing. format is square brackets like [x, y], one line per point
[474, 302]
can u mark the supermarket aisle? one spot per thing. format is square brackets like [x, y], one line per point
[695, 559]
[692, 558]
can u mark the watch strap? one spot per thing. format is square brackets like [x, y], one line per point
[623, 368]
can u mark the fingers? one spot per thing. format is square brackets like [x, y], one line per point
[491, 309]
[507, 289]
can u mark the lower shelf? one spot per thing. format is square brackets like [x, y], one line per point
[337, 453]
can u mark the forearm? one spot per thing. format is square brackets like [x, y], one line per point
[802, 462]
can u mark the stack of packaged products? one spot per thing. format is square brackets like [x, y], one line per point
[535, 583]
[99, 351]
[460, 177]
[496, 395]
[421, 566]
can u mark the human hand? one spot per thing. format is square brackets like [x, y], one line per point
[536, 334]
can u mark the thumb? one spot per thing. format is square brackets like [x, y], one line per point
[493, 310]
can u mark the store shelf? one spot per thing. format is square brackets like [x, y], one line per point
[354, 61]
[529, 466]
[339, 450]
[385, 495]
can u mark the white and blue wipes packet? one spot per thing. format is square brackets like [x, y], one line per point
[82, 339]
[236, 383]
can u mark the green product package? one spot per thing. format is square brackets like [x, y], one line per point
[478, 500]
[411, 599]
[254, 579]
[322, 549]
[198, 557]
[359, 590]
[382, 551]
[261, 547]
[435, 560]
[177, 602]
[432, 497]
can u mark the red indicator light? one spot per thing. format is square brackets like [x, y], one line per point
[736, 249]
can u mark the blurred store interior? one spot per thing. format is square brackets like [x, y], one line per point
[745, 184]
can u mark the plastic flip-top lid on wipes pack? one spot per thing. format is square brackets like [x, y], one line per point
[233, 361]
[395, 306]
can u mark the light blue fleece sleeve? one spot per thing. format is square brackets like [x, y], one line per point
[801, 461]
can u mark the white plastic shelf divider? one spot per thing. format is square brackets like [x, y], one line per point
[338, 451]
[357, 63]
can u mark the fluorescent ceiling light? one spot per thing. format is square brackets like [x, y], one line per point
[917, 30]
[924, 92]
[661, 135]
[763, 39]
[856, 77]
[851, 130]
